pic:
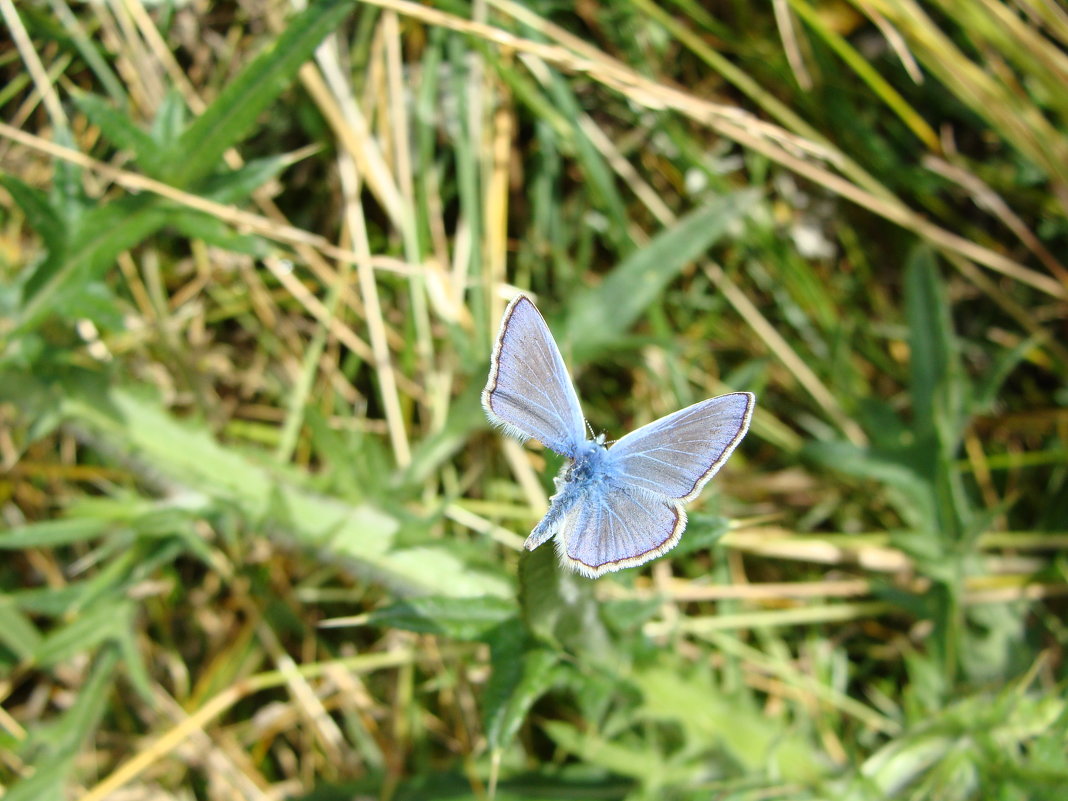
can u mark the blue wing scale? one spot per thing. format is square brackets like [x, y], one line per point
[529, 393]
[676, 455]
[616, 507]
[621, 527]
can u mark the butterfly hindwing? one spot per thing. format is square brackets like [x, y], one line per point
[619, 527]
[616, 507]
[529, 392]
[675, 456]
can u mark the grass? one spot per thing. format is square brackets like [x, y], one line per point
[260, 539]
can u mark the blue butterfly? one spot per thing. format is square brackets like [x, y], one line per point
[617, 506]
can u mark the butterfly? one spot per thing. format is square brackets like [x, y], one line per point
[616, 505]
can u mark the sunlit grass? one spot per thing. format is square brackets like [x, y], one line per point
[261, 540]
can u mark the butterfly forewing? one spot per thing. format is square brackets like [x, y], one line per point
[612, 509]
[619, 528]
[529, 391]
[676, 455]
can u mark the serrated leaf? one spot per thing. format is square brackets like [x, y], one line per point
[458, 618]
[600, 316]
[119, 129]
[102, 234]
[228, 119]
[40, 215]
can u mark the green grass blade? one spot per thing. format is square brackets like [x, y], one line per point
[62, 740]
[932, 354]
[50, 533]
[879, 85]
[230, 117]
[17, 632]
[600, 316]
[105, 623]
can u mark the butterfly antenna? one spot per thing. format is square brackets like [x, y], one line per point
[589, 428]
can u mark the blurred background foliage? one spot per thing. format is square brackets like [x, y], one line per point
[259, 540]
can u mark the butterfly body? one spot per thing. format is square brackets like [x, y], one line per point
[583, 478]
[616, 506]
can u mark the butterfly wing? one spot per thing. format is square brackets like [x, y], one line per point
[529, 393]
[618, 527]
[675, 456]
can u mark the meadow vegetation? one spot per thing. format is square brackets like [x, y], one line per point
[259, 540]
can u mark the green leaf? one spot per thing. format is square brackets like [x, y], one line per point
[908, 491]
[233, 113]
[50, 533]
[119, 129]
[600, 316]
[40, 215]
[939, 388]
[68, 193]
[731, 720]
[521, 674]
[94, 301]
[635, 760]
[185, 452]
[198, 225]
[104, 623]
[458, 618]
[234, 186]
[559, 607]
[47, 782]
[102, 234]
[933, 352]
[17, 632]
[61, 741]
[170, 120]
[993, 380]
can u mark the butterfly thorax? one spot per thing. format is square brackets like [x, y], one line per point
[588, 465]
[586, 472]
